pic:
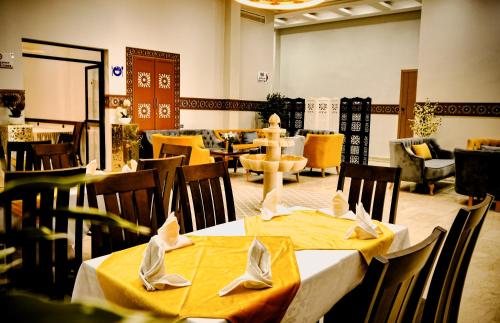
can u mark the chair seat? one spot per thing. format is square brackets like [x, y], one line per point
[439, 168]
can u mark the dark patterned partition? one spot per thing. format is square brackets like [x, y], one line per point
[294, 118]
[355, 125]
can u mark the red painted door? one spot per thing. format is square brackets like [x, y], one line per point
[164, 91]
[153, 94]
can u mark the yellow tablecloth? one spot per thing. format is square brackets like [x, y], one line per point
[312, 230]
[210, 264]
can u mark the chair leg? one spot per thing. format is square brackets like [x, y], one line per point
[431, 188]
[297, 176]
[337, 168]
[470, 202]
[322, 172]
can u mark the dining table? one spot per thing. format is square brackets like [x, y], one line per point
[325, 275]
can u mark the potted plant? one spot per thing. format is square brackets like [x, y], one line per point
[16, 107]
[275, 103]
[230, 139]
[425, 123]
[122, 112]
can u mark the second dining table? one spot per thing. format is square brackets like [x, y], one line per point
[325, 275]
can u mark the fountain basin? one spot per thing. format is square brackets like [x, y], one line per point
[288, 163]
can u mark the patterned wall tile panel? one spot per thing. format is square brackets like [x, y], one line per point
[218, 104]
[112, 101]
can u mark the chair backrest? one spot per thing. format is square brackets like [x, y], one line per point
[45, 265]
[168, 150]
[25, 157]
[166, 172]
[366, 179]
[74, 138]
[393, 285]
[56, 156]
[133, 196]
[445, 291]
[204, 183]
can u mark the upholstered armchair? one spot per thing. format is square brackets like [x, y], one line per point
[323, 151]
[199, 155]
[477, 174]
[418, 170]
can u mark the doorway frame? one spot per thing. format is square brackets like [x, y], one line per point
[130, 52]
[100, 64]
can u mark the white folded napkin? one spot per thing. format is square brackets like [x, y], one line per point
[169, 233]
[340, 205]
[364, 227]
[271, 208]
[152, 270]
[91, 168]
[132, 168]
[258, 271]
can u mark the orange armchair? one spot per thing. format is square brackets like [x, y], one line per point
[323, 151]
[199, 155]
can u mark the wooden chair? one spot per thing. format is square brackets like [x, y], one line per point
[166, 171]
[132, 196]
[392, 286]
[74, 138]
[372, 178]
[168, 150]
[445, 291]
[56, 156]
[25, 157]
[46, 267]
[206, 194]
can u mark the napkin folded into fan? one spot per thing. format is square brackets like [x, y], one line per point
[364, 227]
[258, 271]
[340, 207]
[271, 208]
[152, 269]
[91, 168]
[132, 168]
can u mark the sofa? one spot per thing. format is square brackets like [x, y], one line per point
[418, 170]
[478, 173]
[244, 137]
[323, 151]
[478, 143]
[199, 155]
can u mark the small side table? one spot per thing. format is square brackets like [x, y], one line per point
[230, 155]
[125, 145]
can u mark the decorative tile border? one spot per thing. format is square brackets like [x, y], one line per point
[385, 109]
[19, 93]
[130, 52]
[111, 101]
[457, 109]
[219, 104]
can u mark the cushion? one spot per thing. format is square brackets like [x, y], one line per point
[435, 169]
[248, 137]
[422, 150]
[433, 150]
[489, 148]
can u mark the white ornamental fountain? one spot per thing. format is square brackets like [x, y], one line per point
[272, 163]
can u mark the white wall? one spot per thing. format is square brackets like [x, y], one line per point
[197, 119]
[257, 42]
[352, 58]
[459, 61]
[57, 89]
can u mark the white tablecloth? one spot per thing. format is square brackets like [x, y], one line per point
[326, 275]
[52, 134]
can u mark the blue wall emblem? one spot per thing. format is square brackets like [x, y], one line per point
[117, 70]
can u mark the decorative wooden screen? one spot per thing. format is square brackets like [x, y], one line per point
[355, 125]
[294, 119]
[322, 114]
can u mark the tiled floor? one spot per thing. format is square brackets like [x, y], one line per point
[419, 212]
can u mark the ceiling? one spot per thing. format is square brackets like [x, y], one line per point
[337, 10]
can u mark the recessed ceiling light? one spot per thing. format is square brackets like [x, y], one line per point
[280, 4]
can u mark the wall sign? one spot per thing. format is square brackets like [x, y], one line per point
[262, 76]
[7, 60]
[117, 71]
